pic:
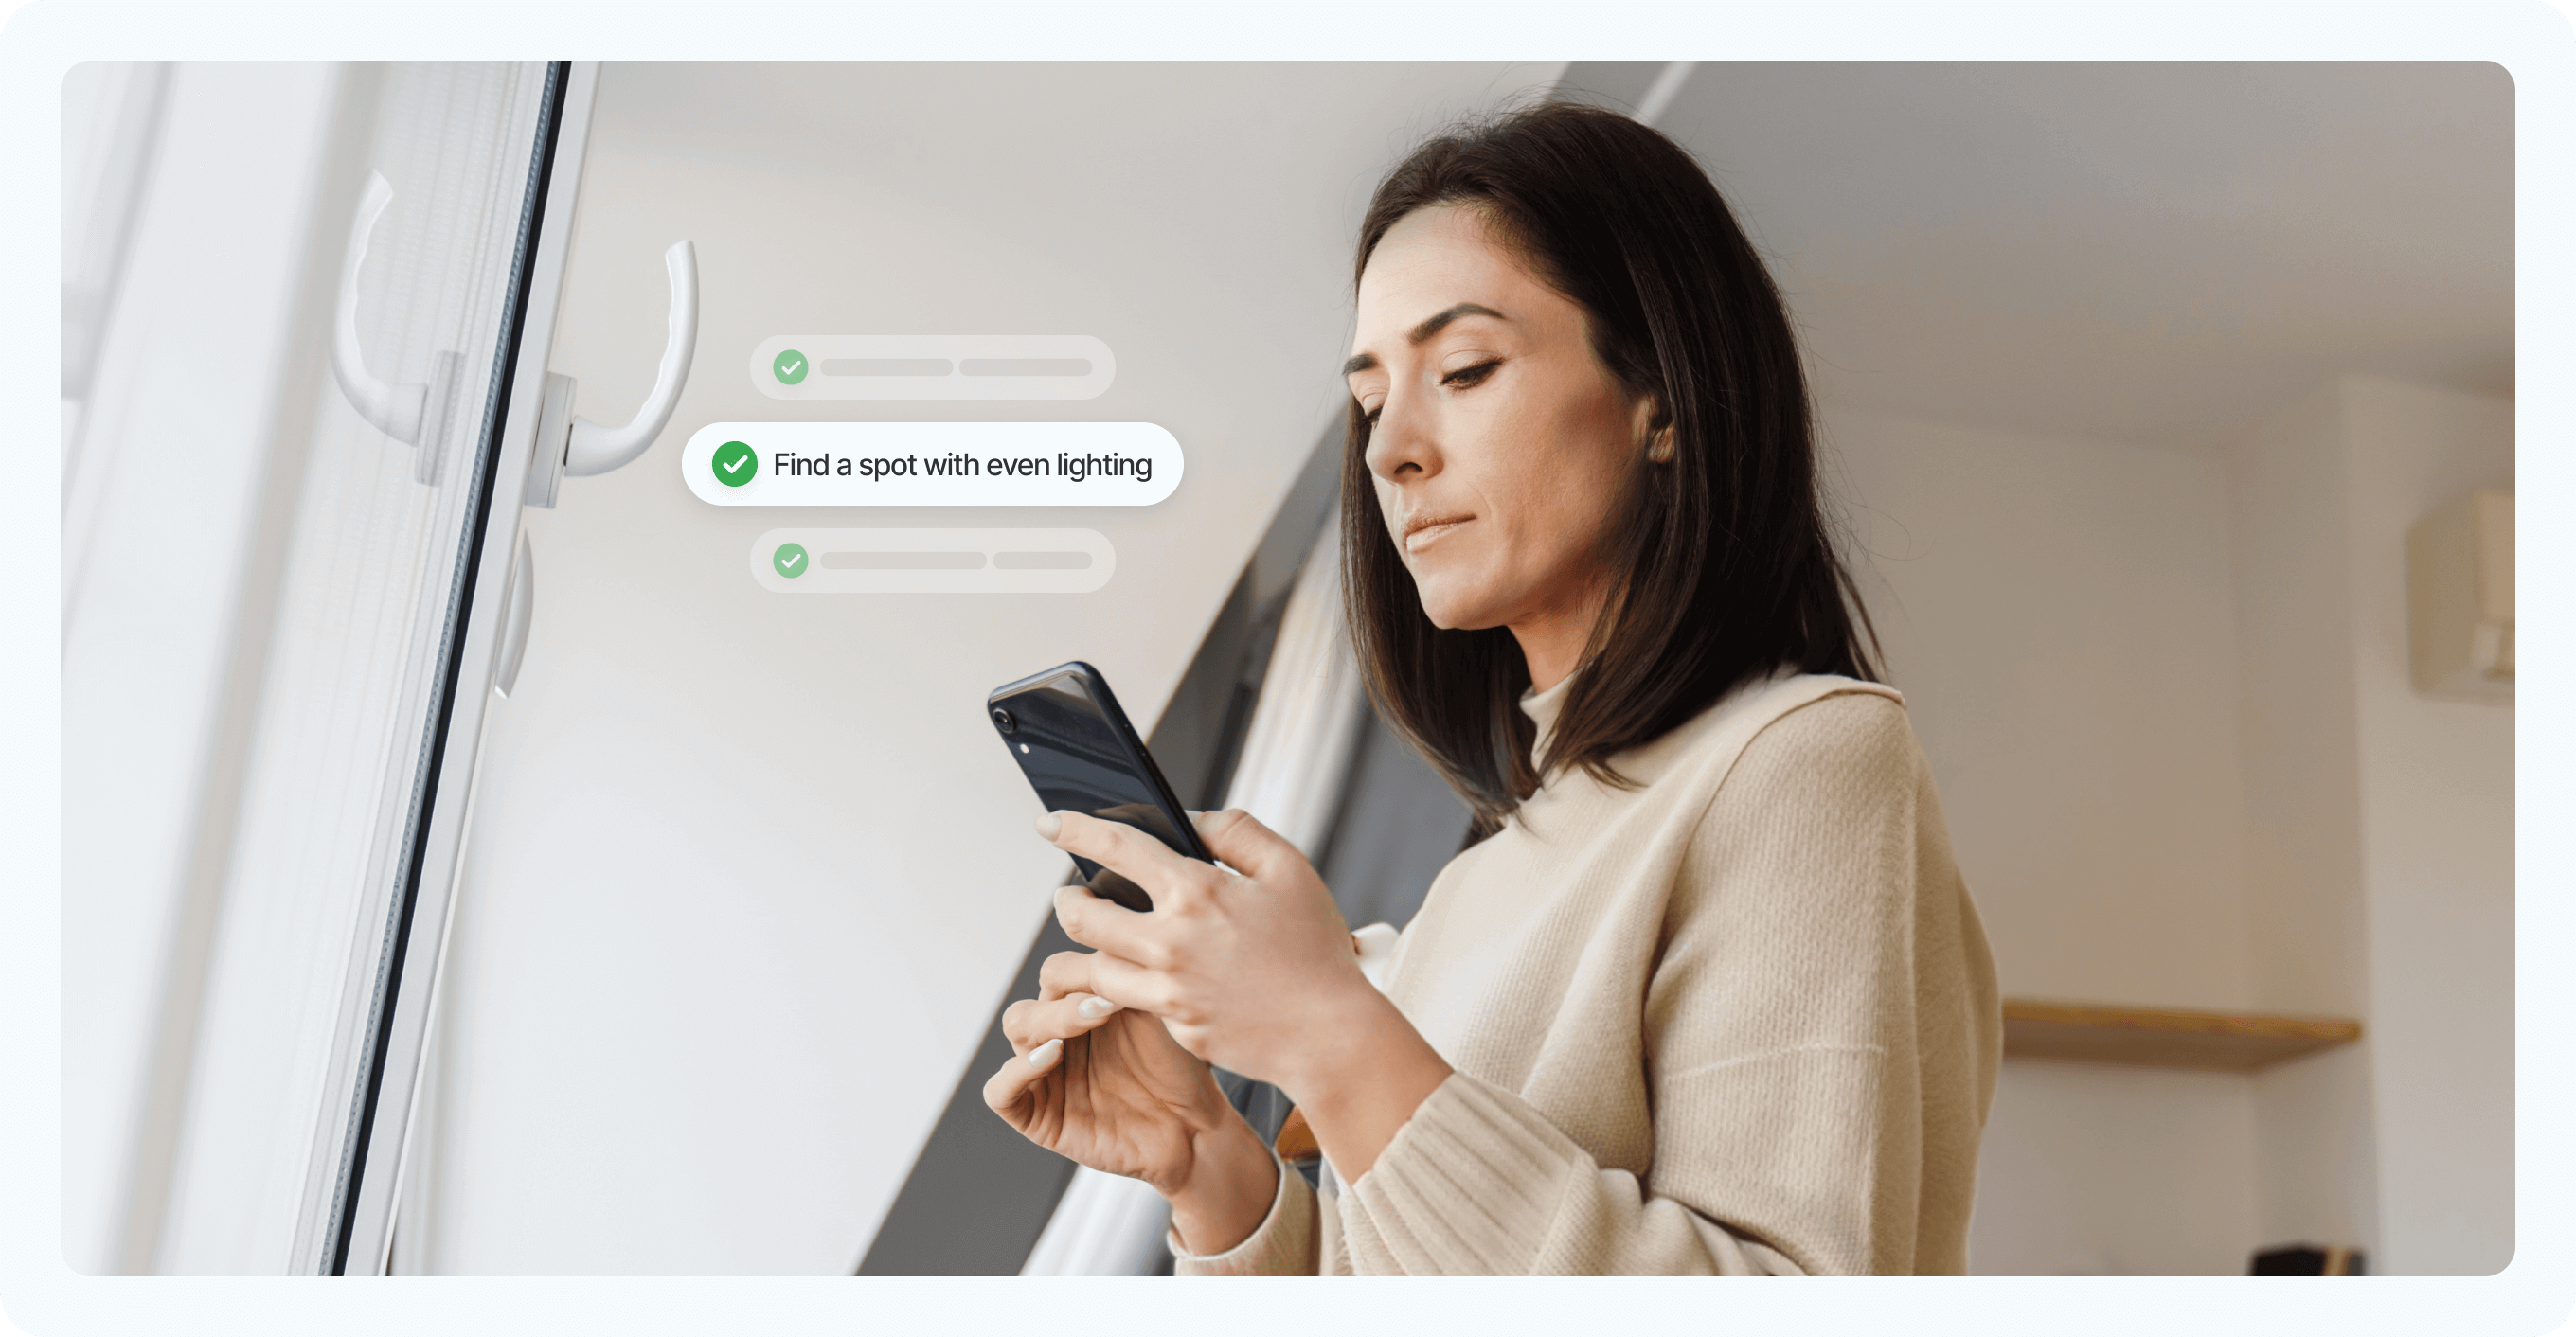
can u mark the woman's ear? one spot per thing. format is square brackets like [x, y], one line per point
[1655, 429]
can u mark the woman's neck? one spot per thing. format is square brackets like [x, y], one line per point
[1552, 642]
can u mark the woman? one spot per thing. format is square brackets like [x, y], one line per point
[1708, 995]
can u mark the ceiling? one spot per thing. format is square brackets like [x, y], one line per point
[2146, 253]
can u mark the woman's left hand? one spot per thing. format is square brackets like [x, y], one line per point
[1249, 965]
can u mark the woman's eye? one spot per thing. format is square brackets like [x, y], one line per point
[1464, 378]
[1469, 377]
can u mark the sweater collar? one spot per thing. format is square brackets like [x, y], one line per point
[1542, 708]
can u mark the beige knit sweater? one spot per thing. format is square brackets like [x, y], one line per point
[1738, 1019]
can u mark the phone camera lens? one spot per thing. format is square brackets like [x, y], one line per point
[1002, 720]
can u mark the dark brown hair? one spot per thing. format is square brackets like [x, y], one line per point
[1727, 570]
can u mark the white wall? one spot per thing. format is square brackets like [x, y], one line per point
[2301, 758]
[2380, 835]
[2090, 1170]
[2437, 850]
[748, 872]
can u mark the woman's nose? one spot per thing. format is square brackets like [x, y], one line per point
[1398, 445]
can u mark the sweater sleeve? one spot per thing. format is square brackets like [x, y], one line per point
[1781, 1018]
[1283, 1245]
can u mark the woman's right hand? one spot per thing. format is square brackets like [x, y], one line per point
[1109, 1087]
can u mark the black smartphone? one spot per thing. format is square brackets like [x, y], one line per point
[1079, 752]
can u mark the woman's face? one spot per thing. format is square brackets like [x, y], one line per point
[1501, 445]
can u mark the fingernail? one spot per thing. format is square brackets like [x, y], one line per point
[1048, 825]
[1044, 1056]
[1095, 1006]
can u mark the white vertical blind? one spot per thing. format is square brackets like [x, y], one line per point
[1298, 750]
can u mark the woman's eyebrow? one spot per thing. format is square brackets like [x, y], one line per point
[1425, 330]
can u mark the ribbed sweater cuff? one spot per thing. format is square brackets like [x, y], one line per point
[1283, 1245]
[1472, 1184]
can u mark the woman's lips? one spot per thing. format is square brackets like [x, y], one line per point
[1423, 530]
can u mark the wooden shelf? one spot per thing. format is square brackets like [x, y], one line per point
[2163, 1038]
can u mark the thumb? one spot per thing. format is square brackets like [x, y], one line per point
[1235, 837]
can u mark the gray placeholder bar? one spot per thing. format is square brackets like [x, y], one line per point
[924, 561]
[885, 366]
[1024, 366]
[932, 366]
[1003, 560]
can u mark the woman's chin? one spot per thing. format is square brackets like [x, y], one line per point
[1450, 611]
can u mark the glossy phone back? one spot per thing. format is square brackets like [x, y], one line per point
[1080, 753]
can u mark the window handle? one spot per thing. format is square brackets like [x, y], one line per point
[518, 607]
[595, 449]
[580, 447]
[412, 413]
